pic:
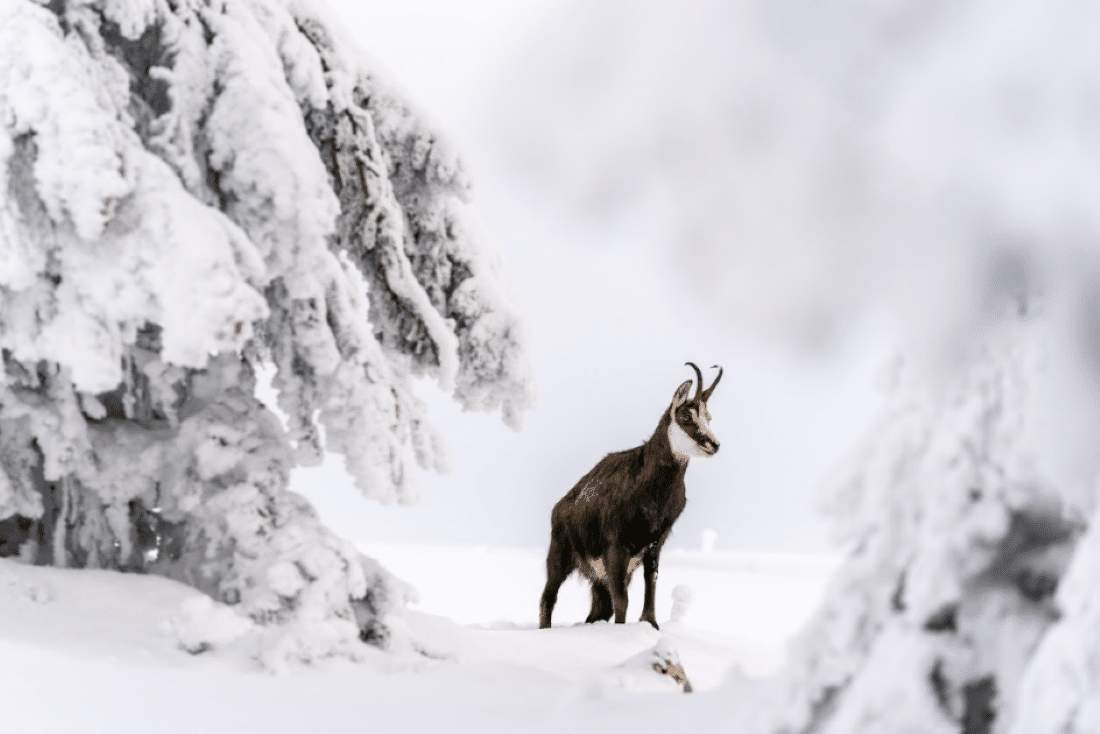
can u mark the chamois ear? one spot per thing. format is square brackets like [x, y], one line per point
[680, 396]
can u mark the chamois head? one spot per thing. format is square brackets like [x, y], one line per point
[689, 427]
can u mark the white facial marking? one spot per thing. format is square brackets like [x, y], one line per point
[682, 445]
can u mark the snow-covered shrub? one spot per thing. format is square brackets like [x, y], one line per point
[682, 597]
[192, 190]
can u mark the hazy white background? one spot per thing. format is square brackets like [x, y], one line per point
[613, 313]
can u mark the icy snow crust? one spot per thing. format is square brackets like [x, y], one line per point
[193, 190]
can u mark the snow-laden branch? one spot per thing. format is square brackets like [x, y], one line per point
[281, 152]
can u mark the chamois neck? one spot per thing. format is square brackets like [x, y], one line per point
[658, 450]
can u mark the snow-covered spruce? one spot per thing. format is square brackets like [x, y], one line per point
[192, 190]
[959, 543]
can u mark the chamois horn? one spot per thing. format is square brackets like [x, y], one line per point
[709, 390]
[699, 374]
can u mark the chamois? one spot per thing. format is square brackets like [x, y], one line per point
[620, 513]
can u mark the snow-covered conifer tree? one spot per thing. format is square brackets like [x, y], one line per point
[958, 542]
[193, 190]
[966, 600]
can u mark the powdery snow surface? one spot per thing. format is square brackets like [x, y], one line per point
[99, 651]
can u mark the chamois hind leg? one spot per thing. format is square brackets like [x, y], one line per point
[601, 602]
[616, 561]
[559, 564]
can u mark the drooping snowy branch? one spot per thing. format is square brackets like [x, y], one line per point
[302, 176]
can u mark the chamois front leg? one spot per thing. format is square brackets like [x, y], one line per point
[617, 560]
[650, 559]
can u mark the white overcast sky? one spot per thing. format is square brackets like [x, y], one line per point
[610, 334]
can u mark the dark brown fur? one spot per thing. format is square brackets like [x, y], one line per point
[620, 514]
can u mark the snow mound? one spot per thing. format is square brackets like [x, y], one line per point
[655, 669]
[202, 624]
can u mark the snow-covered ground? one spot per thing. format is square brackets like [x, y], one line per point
[94, 651]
